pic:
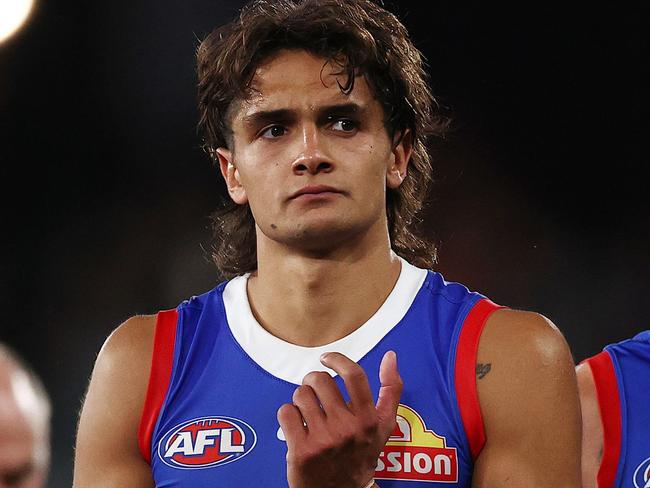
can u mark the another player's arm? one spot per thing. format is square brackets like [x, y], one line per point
[106, 453]
[592, 427]
[530, 405]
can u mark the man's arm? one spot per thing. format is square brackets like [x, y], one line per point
[592, 427]
[530, 405]
[106, 453]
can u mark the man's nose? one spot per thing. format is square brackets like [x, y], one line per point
[311, 158]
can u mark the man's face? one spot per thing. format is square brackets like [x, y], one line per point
[312, 162]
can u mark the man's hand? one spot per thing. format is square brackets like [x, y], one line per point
[334, 444]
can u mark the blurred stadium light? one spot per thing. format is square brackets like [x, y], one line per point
[13, 14]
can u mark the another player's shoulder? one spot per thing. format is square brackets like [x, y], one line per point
[625, 357]
[638, 346]
[586, 382]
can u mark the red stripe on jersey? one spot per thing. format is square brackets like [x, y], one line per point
[161, 371]
[465, 373]
[602, 369]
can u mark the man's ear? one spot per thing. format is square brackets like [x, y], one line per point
[231, 176]
[400, 157]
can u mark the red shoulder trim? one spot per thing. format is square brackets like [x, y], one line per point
[465, 373]
[602, 369]
[161, 371]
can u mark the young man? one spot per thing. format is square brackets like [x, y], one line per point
[317, 114]
[24, 424]
[614, 390]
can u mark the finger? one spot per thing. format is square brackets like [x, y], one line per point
[292, 425]
[307, 403]
[356, 381]
[389, 392]
[326, 391]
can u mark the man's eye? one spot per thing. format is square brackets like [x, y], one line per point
[273, 132]
[345, 125]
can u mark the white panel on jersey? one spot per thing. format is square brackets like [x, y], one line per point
[291, 362]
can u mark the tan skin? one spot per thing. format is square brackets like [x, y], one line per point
[324, 267]
[20, 439]
[592, 427]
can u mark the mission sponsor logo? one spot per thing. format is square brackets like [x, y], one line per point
[206, 442]
[415, 453]
[642, 475]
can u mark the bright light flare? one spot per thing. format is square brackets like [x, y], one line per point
[13, 14]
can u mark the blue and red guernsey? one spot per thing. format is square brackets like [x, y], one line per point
[218, 379]
[622, 376]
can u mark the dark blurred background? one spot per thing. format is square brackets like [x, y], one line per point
[540, 202]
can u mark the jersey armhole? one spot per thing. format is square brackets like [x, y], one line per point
[159, 377]
[602, 369]
[465, 373]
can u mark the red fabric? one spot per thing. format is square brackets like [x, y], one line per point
[465, 374]
[602, 369]
[161, 370]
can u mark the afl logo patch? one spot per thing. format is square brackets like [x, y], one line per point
[206, 442]
[642, 475]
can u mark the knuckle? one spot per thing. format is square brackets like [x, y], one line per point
[296, 457]
[302, 394]
[355, 373]
[287, 415]
[285, 411]
[316, 378]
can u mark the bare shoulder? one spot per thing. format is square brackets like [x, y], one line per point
[121, 373]
[124, 362]
[529, 403]
[522, 349]
[520, 333]
[107, 444]
[128, 348]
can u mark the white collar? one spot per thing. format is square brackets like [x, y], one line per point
[291, 362]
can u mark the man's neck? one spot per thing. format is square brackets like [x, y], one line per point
[312, 301]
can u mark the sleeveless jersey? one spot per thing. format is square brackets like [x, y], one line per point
[622, 377]
[218, 379]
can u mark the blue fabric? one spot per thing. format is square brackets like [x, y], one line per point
[631, 360]
[215, 380]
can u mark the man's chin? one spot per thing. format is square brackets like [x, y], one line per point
[318, 237]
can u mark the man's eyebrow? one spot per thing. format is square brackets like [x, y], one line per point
[255, 119]
[260, 117]
[343, 108]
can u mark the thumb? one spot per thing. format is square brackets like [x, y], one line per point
[389, 393]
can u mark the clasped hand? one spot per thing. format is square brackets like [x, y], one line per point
[334, 444]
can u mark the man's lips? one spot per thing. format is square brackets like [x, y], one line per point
[314, 190]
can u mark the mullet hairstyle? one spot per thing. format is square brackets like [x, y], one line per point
[363, 39]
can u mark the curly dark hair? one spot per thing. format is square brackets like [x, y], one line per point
[365, 40]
